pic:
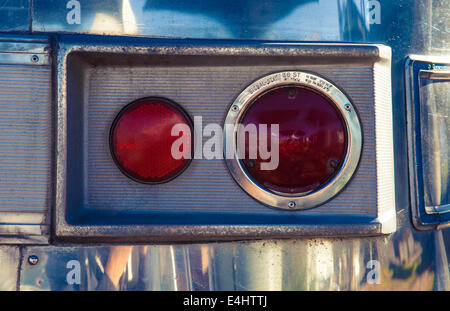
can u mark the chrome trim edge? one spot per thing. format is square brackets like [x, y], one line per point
[417, 219]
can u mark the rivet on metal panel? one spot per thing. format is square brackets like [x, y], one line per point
[35, 59]
[33, 260]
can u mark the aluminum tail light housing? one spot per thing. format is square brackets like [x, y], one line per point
[97, 76]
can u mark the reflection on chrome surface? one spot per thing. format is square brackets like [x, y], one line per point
[306, 264]
[278, 20]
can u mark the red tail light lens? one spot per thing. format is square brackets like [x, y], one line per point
[295, 138]
[141, 140]
[312, 139]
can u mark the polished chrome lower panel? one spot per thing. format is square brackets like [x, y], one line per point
[400, 262]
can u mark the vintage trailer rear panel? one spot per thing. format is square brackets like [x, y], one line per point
[70, 220]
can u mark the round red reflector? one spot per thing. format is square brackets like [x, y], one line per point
[141, 140]
[312, 139]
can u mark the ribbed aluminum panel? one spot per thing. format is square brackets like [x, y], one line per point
[208, 91]
[25, 151]
[384, 145]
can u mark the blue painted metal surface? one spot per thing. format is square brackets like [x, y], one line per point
[15, 15]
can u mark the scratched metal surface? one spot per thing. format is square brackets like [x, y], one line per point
[403, 261]
[10, 261]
